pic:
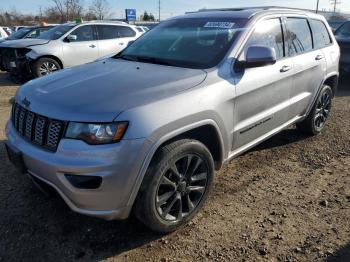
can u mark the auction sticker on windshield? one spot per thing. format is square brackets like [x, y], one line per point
[225, 25]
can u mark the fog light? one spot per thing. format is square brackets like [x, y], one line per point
[84, 182]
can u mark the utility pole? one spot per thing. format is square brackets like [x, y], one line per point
[335, 3]
[318, 2]
[159, 10]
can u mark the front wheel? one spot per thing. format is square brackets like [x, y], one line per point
[44, 66]
[175, 186]
[316, 120]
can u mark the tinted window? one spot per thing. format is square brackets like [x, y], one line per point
[112, 32]
[298, 36]
[268, 33]
[344, 30]
[83, 33]
[107, 32]
[187, 42]
[320, 33]
[126, 31]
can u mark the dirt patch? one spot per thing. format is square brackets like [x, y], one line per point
[286, 200]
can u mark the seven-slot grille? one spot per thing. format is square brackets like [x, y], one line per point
[40, 130]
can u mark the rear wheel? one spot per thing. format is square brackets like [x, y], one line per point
[45, 66]
[175, 186]
[316, 120]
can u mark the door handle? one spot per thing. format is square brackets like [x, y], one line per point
[319, 57]
[92, 46]
[285, 69]
[121, 43]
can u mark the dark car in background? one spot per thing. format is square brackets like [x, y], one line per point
[343, 37]
[27, 32]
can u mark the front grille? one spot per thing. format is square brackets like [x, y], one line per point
[37, 129]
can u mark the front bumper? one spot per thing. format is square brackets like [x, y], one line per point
[13, 63]
[118, 165]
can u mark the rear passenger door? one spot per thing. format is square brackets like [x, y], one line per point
[309, 64]
[262, 93]
[113, 38]
[324, 43]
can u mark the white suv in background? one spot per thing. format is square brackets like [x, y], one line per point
[65, 46]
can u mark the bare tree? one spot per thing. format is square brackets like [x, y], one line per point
[60, 8]
[69, 9]
[100, 8]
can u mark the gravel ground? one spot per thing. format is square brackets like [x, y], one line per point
[286, 200]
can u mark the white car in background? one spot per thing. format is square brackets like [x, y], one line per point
[65, 46]
[3, 33]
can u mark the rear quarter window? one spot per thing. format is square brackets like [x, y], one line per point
[320, 34]
[126, 32]
[299, 39]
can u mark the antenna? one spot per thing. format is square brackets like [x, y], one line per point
[159, 10]
[318, 2]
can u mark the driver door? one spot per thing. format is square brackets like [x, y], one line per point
[262, 102]
[83, 49]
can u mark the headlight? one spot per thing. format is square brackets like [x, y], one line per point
[97, 134]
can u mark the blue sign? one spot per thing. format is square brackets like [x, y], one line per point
[130, 14]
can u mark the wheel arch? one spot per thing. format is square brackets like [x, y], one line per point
[194, 131]
[332, 81]
[52, 57]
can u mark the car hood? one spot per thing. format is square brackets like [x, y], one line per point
[343, 40]
[100, 91]
[20, 43]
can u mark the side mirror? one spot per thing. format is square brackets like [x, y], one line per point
[71, 38]
[258, 56]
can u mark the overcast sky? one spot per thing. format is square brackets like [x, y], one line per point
[174, 7]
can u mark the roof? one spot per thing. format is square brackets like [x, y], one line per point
[244, 12]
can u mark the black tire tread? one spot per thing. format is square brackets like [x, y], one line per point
[143, 214]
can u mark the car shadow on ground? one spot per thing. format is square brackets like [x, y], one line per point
[341, 255]
[44, 228]
[7, 80]
[285, 137]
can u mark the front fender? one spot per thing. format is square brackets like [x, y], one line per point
[156, 143]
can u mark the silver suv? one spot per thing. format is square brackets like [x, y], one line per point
[145, 130]
[65, 46]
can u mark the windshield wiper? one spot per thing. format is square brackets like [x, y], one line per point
[144, 59]
[152, 60]
[127, 58]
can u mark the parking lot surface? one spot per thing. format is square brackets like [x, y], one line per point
[286, 200]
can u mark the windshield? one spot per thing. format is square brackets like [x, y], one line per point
[344, 30]
[56, 32]
[20, 33]
[188, 42]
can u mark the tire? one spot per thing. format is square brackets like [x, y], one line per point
[44, 66]
[316, 120]
[163, 192]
